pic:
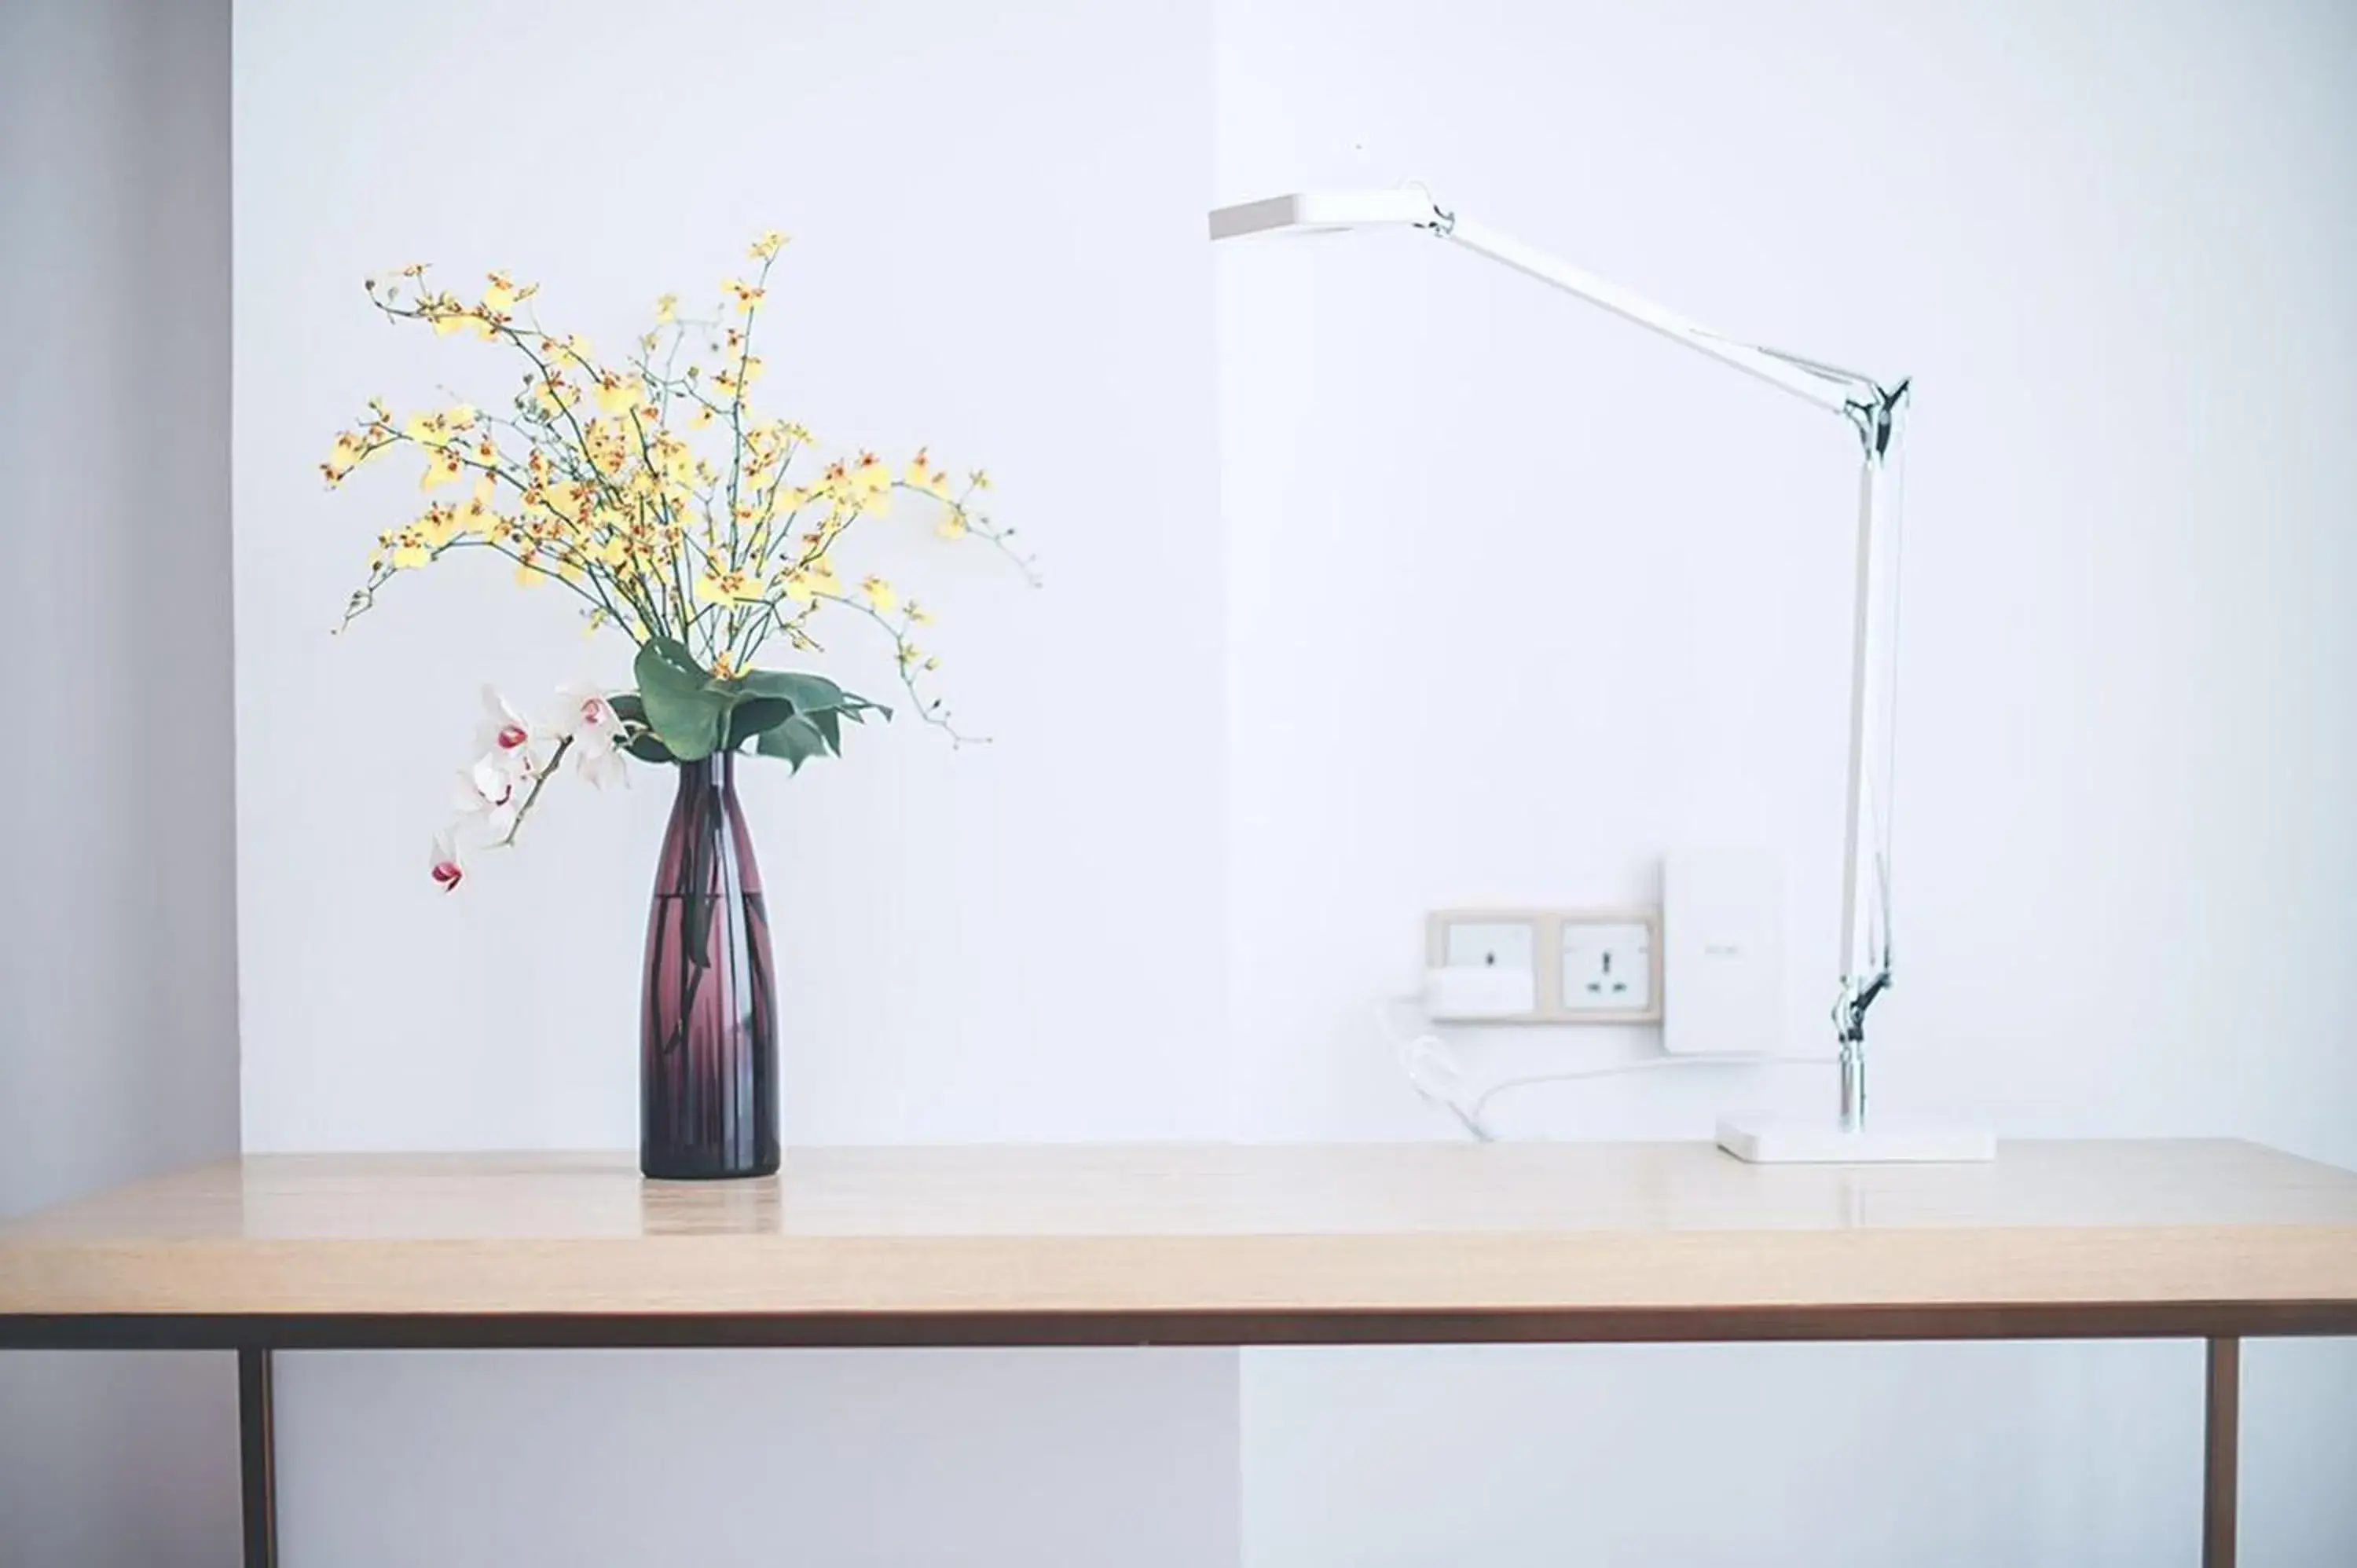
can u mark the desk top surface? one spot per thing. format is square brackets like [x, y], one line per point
[1326, 1232]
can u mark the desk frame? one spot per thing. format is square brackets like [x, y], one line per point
[255, 1339]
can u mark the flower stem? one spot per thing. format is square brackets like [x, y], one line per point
[539, 781]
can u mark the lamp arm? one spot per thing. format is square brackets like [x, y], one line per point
[1866, 947]
[1877, 410]
[1844, 392]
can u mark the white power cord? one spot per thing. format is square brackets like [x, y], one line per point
[1437, 1074]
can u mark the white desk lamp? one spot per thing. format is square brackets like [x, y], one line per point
[1877, 410]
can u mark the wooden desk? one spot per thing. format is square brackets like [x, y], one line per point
[1217, 1245]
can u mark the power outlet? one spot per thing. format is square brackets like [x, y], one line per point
[1607, 967]
[1543, 966]
[1491, 944]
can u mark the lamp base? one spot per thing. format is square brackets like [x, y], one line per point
[1762, 1141]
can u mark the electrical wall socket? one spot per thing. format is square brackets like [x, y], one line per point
[1491, 944]
[1607, 967]
[1586, 966]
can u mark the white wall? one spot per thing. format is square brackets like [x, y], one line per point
[998, 217]
[1519, 595]
[118, 1045]
[838, 1459]
[1015, 941]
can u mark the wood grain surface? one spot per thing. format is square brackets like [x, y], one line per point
[1311, 1233]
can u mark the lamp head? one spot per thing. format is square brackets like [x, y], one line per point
[1311, 211]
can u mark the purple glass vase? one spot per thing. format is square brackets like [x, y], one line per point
[708, 1017]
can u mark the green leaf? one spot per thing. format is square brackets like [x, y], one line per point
[754, 716]
[685, 704]
[828, 722]
[797, 740]
[644, 747]
[808, 694]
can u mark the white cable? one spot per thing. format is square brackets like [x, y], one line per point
[1435, 1072]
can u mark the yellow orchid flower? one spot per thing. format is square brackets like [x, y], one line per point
[476, 517]
[555, 395]
[728, 587]
[347, 453]
[616, 394]
[869, 484]
[672, 460]
[922, 475]
[439, 526]
[609, 493]
[442, 466]
[449, 316]
[733, 383]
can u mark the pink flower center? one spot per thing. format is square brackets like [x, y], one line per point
[512, 736]
[447, 874]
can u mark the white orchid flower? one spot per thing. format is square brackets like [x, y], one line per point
[589, 721]
[508, 737]
[449, 870]
[489, 794]
[600, 767]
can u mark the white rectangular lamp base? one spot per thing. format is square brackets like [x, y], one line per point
[1763, 1141]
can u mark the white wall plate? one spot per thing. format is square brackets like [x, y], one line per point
[1563, 950]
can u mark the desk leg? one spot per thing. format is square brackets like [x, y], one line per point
[258, 1461]
[2221, 1443]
